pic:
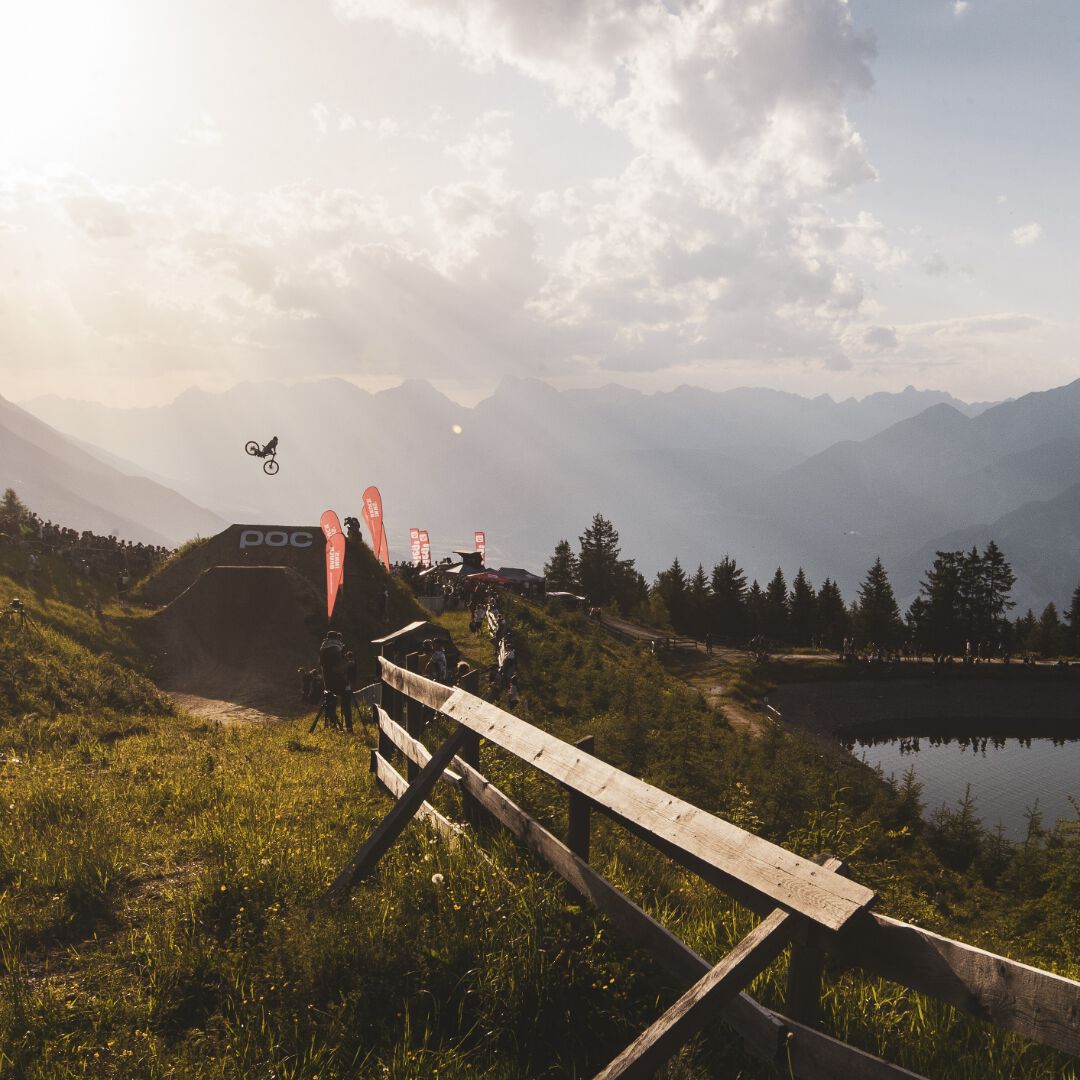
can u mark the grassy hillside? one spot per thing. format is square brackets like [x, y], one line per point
[159, 885]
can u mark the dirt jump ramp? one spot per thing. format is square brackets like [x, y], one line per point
[238, 634]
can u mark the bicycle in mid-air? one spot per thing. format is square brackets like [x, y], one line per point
[268, 453]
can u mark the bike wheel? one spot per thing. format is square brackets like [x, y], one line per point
[270, 467]
[252, 447]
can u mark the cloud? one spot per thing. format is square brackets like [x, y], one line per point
[712, 242]
[327, 119]
[724, 93]
[1026, 235]
[488, 142]
[204, 132]
[706, 235]
[881, 338]
[935, 265]
[961, 7]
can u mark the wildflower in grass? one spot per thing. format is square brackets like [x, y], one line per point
[436, 880]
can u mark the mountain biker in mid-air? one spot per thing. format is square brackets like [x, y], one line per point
[268, 453]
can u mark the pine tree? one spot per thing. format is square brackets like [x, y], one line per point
[803, 607]
[995, 600]
[832, 622]
[698, 604]
[13, 512]
[1027, 632]
[755, 610]
[942, 590]
[918, 625]
[777, 613]
[879, 616]
[729, 617]
[671, 586]
[1049, 633]
[602, 575]
[1072, 617]
[561, 570]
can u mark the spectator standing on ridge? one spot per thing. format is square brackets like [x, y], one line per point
[436, 666]
[335, 675]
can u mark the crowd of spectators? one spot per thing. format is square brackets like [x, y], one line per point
[93, 556]
[459, 593]
[503, 671]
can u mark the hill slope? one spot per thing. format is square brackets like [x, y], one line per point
[64, 482]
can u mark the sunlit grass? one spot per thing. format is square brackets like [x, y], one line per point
[160, 885]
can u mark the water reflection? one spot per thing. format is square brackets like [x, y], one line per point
[912, 744]
[1005, 774]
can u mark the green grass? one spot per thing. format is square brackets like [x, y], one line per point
[160, 883]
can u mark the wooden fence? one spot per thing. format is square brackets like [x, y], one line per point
[808, 906]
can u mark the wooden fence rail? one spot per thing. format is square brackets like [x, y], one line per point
[814, 905]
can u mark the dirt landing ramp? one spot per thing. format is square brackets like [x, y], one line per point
[238, 634]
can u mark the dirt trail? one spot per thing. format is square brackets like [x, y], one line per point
[710, 673]
[225, 712]
[713, 676]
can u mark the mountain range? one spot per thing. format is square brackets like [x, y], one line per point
[772, 478]
[84, 488]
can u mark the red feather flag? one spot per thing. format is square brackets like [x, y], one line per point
[335, 558]
[373, 516]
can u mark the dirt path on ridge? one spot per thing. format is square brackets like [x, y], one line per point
[712, 674]
[227, 712]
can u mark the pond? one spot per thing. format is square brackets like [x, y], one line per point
[1007, 775]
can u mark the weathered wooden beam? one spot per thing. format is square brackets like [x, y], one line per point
[470, 753]
[579, 810]
[738, 890]
[703, 1001]
[806, 965]
[579, 818]
[402, 812]
[426, 691]
[791, 882]
[645, 931]
[1025, 1000]
[397, 785]
[412, 719]
[414, 750]
[813, 1055]
[767, 1035]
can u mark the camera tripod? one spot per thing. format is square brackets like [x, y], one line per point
[16, 615]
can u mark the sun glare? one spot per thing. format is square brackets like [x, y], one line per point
[57, 62]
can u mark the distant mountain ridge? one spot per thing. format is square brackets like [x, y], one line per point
[769, 477]
[62, 481]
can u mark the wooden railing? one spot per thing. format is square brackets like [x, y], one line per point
[808, 906]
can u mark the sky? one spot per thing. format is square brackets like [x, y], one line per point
[815, 195]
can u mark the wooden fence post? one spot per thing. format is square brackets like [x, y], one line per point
[412, 721]
[401, 813]
[470, 754]
[579, 820]
[805, 968]
[386, 747]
